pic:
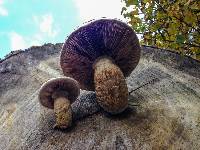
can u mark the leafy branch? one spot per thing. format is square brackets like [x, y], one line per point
[167, 24]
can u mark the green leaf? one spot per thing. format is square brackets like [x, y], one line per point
[132, 2]
[135, 2]
[180, 39]
[129, 3]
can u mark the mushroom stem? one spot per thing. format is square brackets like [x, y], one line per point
[63, 113]
[110, 86]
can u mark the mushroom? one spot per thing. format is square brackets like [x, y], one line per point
[58, 94]
[99, 56]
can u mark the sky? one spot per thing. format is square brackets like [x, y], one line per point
[26, 23]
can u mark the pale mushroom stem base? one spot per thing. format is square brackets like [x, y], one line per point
[63, 113]
[110, 86]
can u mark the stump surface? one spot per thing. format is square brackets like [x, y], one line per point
[167, 115]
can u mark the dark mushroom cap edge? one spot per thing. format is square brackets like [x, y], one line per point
[67, 84]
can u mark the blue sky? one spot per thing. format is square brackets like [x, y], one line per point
[24, 23]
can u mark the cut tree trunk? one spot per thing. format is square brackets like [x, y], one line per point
[167, 115]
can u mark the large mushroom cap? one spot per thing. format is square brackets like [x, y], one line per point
[62, 84]
[104, 37]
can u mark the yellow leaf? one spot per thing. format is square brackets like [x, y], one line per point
[189, 18]
[195, 6]
[135, 12]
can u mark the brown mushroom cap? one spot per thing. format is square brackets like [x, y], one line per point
[104, 37]
[62, 86]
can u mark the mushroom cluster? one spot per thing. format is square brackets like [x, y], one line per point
[98, 57]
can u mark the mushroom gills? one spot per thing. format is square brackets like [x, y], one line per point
[63, 113]
[110, 86]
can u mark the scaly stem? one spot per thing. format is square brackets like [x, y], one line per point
[63, 113]
[110, 86]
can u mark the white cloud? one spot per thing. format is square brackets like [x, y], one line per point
[45, 24]
[17, 41]
[45, 31]
[3, 11]
[95, 9]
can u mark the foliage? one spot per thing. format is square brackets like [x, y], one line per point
[173, 24]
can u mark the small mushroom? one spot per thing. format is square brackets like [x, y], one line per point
[99, 56]
[58, 94]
